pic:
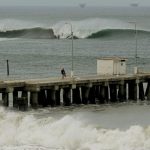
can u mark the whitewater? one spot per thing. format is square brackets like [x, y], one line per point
[86, 127]
[101, 27]
[28, 39]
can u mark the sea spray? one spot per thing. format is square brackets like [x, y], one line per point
[69, 130]
[85, 28]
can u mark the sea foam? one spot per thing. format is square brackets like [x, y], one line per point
[25, 131]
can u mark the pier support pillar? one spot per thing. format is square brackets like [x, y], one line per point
[57, 97]
[15, 98]
[23, 101]
[86, 93]
[141, 91]
[92, 95]
[133, 90]
[76, 96]
[10, 90]
[147, 94]
[42, 100]
[122, 92]
[51, 97]
[104, 94]
[113, 92]
[25, 94]
[97, 91]
[67, 96]
[34, 97]
[5, 96]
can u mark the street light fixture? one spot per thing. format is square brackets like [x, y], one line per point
[72, 64]
[135, 27]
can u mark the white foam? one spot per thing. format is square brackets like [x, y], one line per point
[23, 131]
[86, 27]
[80, 28]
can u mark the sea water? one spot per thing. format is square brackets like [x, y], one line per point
[101, 32]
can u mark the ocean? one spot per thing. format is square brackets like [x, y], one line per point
[28, 40]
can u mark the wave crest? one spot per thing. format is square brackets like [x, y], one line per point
[117, 33]
[37, 32]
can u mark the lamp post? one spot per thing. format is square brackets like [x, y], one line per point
[135, 27]
[72, 65]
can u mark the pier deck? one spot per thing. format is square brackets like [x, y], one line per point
[78, 90]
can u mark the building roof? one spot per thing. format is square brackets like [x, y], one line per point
[112, 58]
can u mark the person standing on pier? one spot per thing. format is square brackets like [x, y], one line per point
[63, 73]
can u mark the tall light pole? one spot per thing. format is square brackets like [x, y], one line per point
[135, 27]
[72, 64]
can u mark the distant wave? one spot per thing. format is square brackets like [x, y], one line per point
[117, 33]
[87, 28]
[43, 33]
[97, 28]
[37, 33]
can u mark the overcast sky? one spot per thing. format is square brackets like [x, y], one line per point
[74, 2]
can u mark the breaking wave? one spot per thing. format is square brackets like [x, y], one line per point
[88, 28]
[118, 33]
[39, 33]
[60, 130]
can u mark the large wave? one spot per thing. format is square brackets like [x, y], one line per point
[96, 28]
[42, 33]
[118, 33]
[38, 32]
[88, 28]
[13, 28]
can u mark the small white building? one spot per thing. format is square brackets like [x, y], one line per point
[111, 66]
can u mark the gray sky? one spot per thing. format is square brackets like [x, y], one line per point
[74, 2]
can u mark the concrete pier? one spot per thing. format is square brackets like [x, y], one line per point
[81, 90]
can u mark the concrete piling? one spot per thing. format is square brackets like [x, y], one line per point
[131, 89]
[113, 93]
[67, 96]
[51, 97]
[122, 92]
[15, 98]
[76, 96]
[85, 94]
[141, 91]
[92, 95]
[34, 95]
[5, 96]
[147, 93]
[34, 99]
[104, 93]
[10, 91]
[22, 103]
[42, 98]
